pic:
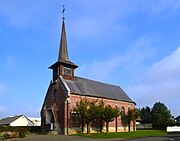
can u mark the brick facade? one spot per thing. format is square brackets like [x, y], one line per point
[66, 120]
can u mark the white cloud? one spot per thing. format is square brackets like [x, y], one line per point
[99, 70]
[160, 6]
[161, 82]
[23, 14]
[138, 52]
[167, 69]
[97, 27]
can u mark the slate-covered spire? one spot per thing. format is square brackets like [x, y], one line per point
[63, 50]
[63, 67]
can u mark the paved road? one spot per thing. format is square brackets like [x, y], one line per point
[76, 138]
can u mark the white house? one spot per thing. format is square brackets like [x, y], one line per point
[36, 121]
[19, 120]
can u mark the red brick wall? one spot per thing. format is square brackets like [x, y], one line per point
[113, 103]
[60, 103]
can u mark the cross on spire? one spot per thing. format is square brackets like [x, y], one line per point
[63, 11]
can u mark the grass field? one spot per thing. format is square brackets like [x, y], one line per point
[136, 134]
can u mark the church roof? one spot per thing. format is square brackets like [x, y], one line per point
[86, 87]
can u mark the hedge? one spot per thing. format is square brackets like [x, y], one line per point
[31, 129]
[163, 126]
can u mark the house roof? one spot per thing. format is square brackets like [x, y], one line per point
[8, 120]
[86, 87]
[178, 118]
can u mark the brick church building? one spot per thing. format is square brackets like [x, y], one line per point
[65, 89]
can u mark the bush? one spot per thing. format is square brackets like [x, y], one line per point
[21, 134]
[9, 132]
[6, 136]
[31, 129]
[163, 126]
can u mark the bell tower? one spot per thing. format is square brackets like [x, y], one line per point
[63, 67]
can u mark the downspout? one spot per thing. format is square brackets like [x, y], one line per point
[68, 101]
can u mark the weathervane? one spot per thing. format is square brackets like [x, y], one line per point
[63, 11]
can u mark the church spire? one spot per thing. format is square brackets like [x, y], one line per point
[63, 67]
[63, 50]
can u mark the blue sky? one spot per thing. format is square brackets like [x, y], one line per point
[131, 43]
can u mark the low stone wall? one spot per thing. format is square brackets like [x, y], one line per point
[144, 126]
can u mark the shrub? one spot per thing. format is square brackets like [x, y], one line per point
[6, 136]
[21, 133]
[14, 135]
[31, 129]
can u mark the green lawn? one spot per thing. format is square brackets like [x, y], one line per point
[136, 134]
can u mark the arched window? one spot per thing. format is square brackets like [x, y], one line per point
[55, 94]
[122, 113]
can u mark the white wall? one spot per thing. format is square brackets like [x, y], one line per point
[22, 121]
[36, 121]
[173, 129]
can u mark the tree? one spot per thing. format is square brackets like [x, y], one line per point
[160, 113]
[81, 107]
[116, 115]
[87, 110]
[132, 115]
[108, 115]
[100, 111]
[146, 115]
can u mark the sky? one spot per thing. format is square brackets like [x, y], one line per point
[134, 44]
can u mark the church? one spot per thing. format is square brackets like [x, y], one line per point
[65, 89]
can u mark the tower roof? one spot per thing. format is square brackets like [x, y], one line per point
[63, 50]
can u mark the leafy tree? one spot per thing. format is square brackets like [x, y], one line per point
[81, 107]
[87, 109]
[109, 114]
[132, 115]
[100, 111]
[116, 115]
[160, 113]
[146, 115]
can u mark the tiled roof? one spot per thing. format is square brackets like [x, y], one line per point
[177, 118]
[8, 120]
[93, 88]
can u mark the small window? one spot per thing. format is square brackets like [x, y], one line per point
[56, 72]
[123, 113]
[74, 117]
[55, 94]
[67, 71]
